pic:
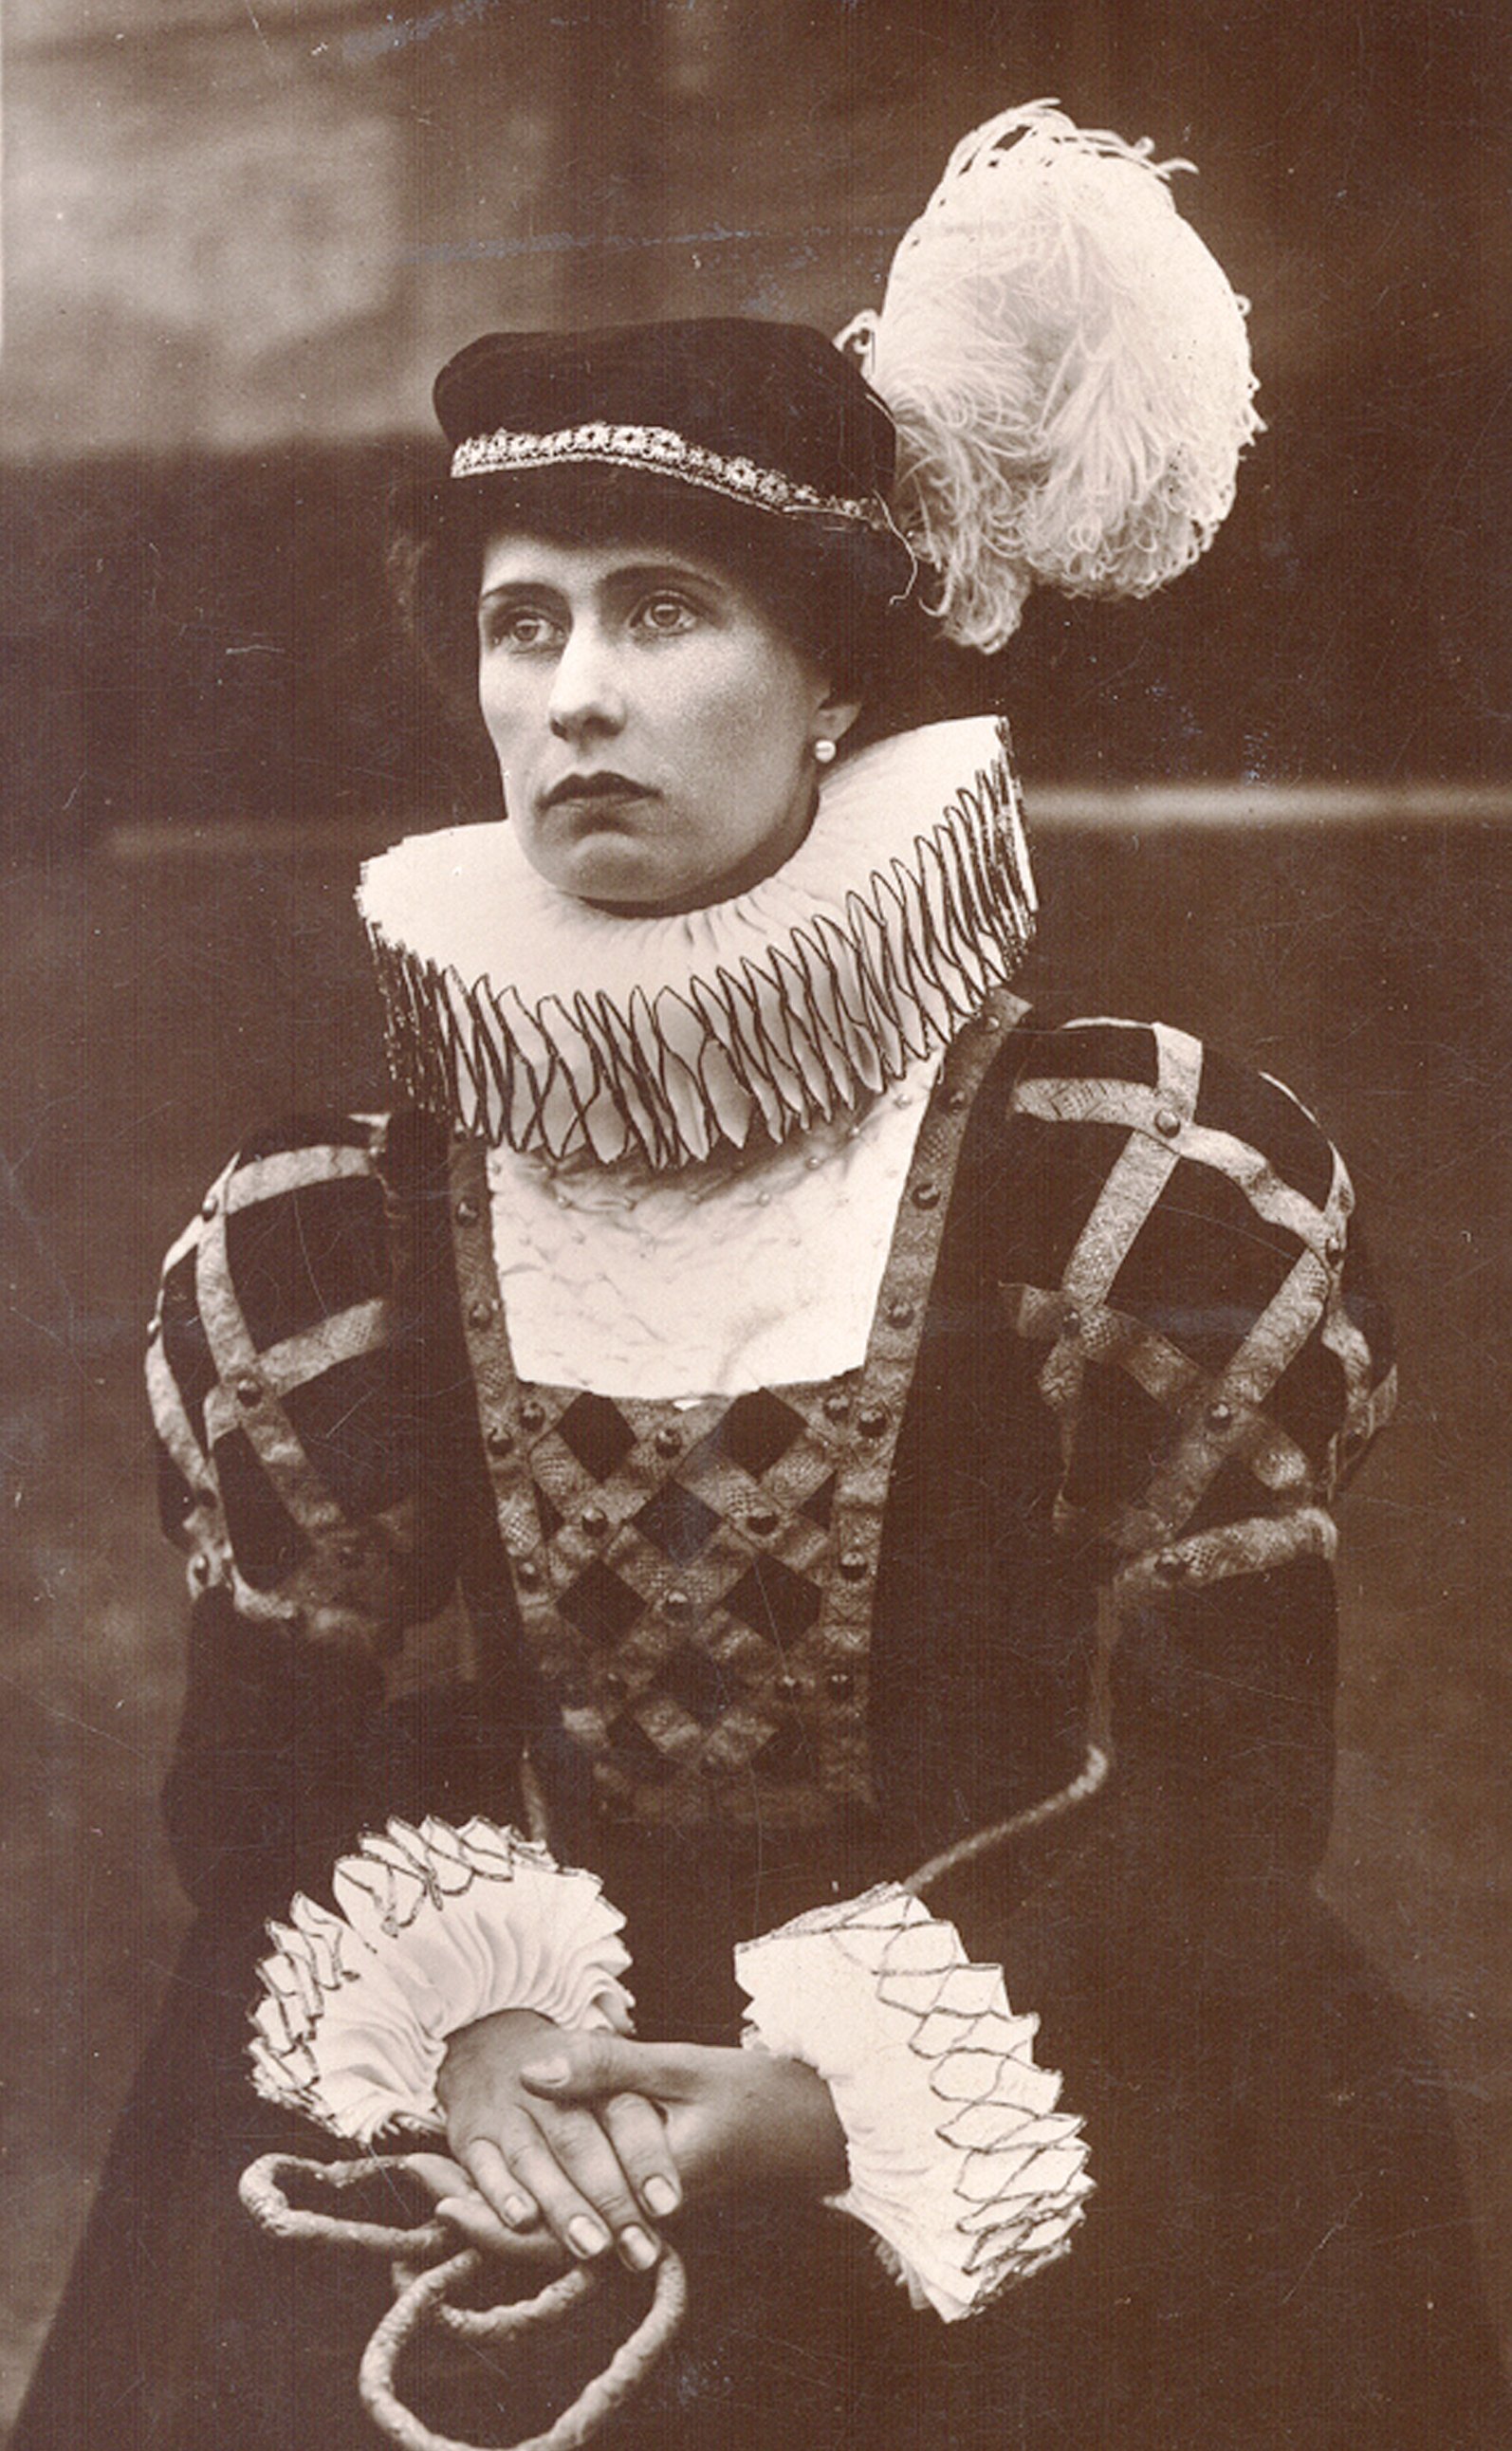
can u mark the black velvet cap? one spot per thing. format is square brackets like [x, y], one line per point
[779, 395]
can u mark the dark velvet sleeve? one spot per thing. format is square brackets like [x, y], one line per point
[1185, 1286]
[293, 1372]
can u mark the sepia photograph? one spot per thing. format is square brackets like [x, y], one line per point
[755, 1121]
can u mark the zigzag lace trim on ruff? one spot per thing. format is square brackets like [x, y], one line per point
[961, 2164]
[438, 1927]
[817, 1016]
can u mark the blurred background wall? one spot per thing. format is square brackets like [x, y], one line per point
[238, 240]
[238, 237]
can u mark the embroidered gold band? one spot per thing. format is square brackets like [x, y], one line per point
[665, 453]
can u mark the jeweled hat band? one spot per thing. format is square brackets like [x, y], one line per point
[768, 415]
[662, 453]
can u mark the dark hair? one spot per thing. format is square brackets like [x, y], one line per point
[846, 597]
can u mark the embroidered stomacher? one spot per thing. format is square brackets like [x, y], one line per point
[525, 1018]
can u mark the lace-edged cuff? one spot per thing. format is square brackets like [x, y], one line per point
[960, 2162]
[438, 1927]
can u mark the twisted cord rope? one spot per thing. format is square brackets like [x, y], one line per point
[425, 2296]
[423, 2290]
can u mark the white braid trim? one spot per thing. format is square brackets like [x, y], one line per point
[960, 2162]
[439, 1927]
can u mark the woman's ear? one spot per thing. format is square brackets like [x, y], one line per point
[836, 715]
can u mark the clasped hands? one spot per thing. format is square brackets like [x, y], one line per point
[564, 2144]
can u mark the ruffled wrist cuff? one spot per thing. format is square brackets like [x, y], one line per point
[439, 1927]
[960, 2162]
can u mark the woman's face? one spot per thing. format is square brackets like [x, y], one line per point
[653, 727]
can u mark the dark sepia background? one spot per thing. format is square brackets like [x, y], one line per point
[238, 236]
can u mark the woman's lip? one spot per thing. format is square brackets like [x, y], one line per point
[595, 787]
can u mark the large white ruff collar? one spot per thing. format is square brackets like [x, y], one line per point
[523, 1016]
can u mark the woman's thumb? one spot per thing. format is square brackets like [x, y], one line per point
[580, 2065]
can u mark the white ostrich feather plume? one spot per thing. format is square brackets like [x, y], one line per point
[1069, 370]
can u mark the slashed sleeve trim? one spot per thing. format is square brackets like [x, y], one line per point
[1203, 1322]
[961, 2162]
[437, 1926]
[283, 1396]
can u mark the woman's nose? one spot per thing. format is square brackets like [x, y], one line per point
[586, 694]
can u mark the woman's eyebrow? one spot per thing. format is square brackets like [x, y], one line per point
[660, 574]
[504, 589]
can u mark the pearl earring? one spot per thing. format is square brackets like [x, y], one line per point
[824, 751]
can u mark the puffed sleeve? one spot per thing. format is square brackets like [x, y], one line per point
[284, 1375]
[1190, 1283]
[1181, 1291]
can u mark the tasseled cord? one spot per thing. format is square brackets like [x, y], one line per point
[1069, 370]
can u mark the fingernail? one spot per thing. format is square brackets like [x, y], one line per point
[519, 2212]
[640, 2249]
[662, 2196]
[586, 2236]
[546, 2073]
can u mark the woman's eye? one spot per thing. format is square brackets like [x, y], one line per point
[523, 628]
[666, 616]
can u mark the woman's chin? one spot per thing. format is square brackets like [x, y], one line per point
[618, 877]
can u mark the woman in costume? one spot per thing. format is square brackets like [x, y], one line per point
[782, 1490]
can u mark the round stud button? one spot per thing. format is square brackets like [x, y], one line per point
[840, 1685]
[527, 1574]
[615, 1686]
[533, 1416]
[1167, 1123]
[1070, 1322]
[836, 1406]
[1219, 1417]
[854, 1566]
[872, 1420]
[595, 1522]
[247, 1391]
[927, 1195]
[1334, 1249]
[761, 1521]
[678, 1606]
[1170, 1567]
[668, 1442]
[498, 1441]
[900, 1314]
[789, 1688]
[955, 1100]
[208, 1204]
[481, 1313]
[466, 1212]
[200, 1571]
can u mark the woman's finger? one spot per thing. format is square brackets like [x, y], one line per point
[638, 2134]
[570, 2174]
[586, 2158]
[473, 2221]
[586, 2068]
[488, 2167]
[439, 2173]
